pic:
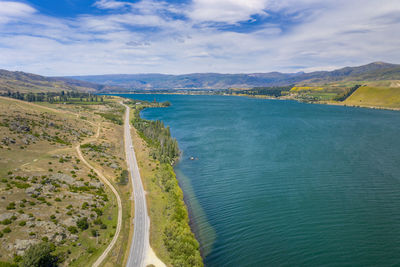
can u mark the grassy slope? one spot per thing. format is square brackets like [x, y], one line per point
[34, 159]
[367, 96]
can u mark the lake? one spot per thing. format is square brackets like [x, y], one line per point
[282, 183]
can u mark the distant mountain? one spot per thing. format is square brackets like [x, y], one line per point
[27, 82]
[370, 72]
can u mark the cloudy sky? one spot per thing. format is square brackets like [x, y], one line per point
[79, 37]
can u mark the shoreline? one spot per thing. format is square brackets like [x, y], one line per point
[331, 103]
[356, 106]
[152, 188]
[186, 186]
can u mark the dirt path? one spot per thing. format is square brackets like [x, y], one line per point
[105, 181]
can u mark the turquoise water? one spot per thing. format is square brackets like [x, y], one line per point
[281, 183]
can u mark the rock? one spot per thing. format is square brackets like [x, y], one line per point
[69, 222]
[24, 217]
[19, 127]
[73, 237]
[6, 215]
[21, 245]
[8, 140]
[58, 238]
[114, 166]
[64, 186]
[73, 132]
[48, 188]
[34, 190]
[83, 197]
[63, 178]
[30, 222]
[28, 139]
[96, 184]
[79, 183]
[54, 232]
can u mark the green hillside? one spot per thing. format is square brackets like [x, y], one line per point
[366, 96]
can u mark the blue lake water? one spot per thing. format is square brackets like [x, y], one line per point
[281, 183]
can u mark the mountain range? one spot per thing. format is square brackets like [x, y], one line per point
[26, 82]
[370, 72]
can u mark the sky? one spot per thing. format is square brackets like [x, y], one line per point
[84, 37]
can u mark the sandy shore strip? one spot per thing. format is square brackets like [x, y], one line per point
[151, 258]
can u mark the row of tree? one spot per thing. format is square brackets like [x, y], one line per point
[53, 97]
[275, 91]
[343, 96]
[165, 148]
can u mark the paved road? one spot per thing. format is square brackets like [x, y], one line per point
[140, 241]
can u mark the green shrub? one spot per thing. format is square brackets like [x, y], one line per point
[7, 230]
[39, 255]
[123, 178]
[73, 229]
[82, 223]
[85, 205]
[7, 264]
[6, 222]
[115, 118]
[11, 206]
[98, 211]
[94, 232]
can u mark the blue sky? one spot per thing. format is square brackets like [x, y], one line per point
[80, 37]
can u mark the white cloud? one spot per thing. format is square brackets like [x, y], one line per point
[14, 10]
[142, 38]
[228, 11]
[110, 4]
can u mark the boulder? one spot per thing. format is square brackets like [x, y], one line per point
[8, 140]
[19, 127]
[63, 178]
[6, 215]
[34, 190]
[96, 184]
[20, 245]
[48, 188]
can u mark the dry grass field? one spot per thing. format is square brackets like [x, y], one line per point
[48, 194]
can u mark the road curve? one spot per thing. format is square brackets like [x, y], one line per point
[140, 240]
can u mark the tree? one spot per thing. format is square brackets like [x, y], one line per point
[82, 223]
[39, 255]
